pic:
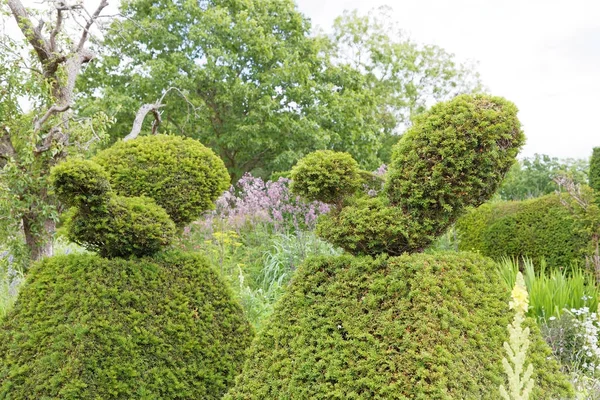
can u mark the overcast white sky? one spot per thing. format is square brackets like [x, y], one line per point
[544, 55]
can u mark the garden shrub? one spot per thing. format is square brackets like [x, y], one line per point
[326, 176]
[536, 228]
[411, 326]
[415, 326]
[101, 221]
[454, 156]
[87, 327]
[180, 174]
[594, 174]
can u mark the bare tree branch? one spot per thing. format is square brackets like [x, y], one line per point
[155, 109]
[139, 120]
[56, 30]
[86, 30]
[51, 111]
[33, 35]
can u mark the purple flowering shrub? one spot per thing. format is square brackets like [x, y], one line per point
[253, 201]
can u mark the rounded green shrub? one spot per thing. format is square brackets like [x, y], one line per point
[536, 228]
[454, 156]
[594, 175]
[180, 174]
[125, 226]
[87, 327]
[410, 327]
[80, 182]
[326, 176]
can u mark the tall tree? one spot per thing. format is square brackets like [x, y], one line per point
[37, 129]
[256, 86]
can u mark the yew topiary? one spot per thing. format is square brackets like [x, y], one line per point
[101, 221]
[412, 326]
[87, 327]
[454, 156]
[183, 176]
[326, 176]
[409, 327]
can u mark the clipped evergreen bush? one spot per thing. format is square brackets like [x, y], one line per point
[536, 228]
[454, 156]
[409, 327]
[326, 176]
[180, 174]
[594, 174]
[101, 221]
[87, 327]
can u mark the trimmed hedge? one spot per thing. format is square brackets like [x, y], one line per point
[594, 176]
[411, 327]
[180, 174]
[536, 228]
[454, 156]
[86, 327]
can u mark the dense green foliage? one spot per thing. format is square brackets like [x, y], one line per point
[326, 176]
[180, 174]
[534, 176]
[80, 183]
[91, 328]
[124, 227]
[100, 220]
[454, 156]
[415, 326]
[256, 85]
[536, 228]
[594, 175]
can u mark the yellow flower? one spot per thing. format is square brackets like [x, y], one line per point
[520, 298]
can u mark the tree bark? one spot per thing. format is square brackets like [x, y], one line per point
[39, 245]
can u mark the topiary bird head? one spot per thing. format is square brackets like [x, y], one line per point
[454, 156]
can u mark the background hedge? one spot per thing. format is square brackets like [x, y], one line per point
[415, 326]
[541, 227]
[85, 327]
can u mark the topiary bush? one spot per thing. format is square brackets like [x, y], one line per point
[454, 156]
[87, 327]
[101, 221]
[180, 174]
[594, 175]
[326, 176]
[536, 228]
[410, 327]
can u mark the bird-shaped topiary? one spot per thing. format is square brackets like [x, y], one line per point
[135, 321]
[385, 323]
[102, 221]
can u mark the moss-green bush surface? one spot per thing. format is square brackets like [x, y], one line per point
[85, 327]
[536, 228]
[180, 174]
[453, 157]
[410, 327]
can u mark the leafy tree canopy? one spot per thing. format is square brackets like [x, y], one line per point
[254, 85]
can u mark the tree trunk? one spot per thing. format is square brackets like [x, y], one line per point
[40, 244]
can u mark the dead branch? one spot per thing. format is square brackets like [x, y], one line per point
[33, 35]
[51, 111]
[139, 120]
[86, 30]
